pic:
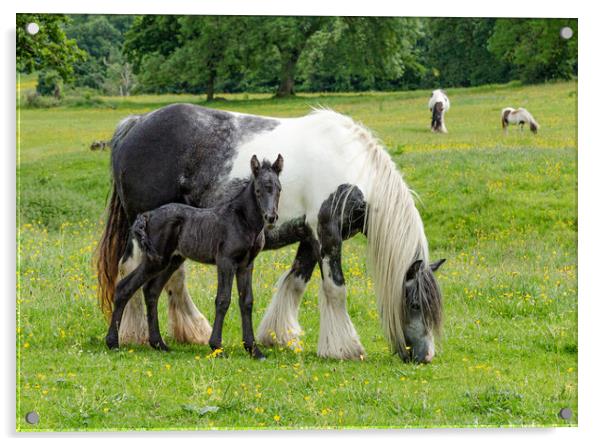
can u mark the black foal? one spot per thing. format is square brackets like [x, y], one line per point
[229, 235]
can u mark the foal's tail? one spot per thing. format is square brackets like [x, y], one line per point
[141, 235]
[109, 252]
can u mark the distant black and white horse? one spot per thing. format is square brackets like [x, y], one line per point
[229, 235]
[520, 117]
[339, 181]
[438, 105]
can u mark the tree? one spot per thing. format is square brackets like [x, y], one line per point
[210, 43]
[260, 53]
[535, 48]
[151, 34]
[458, 54]
[361, 53]
[289, 36]
[50, 83]
[49, 49]
[205, 50]
[100, 37]
[120, 79]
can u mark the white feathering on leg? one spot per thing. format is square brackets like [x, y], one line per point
[338, 338]
[186, 322]
[279, 325]
[134, 326]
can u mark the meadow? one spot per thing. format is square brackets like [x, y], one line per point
[501, 208]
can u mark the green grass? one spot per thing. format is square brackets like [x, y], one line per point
[501, 209]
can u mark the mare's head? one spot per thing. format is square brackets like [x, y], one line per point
[422, 312]
[437, 119]
[266, 186]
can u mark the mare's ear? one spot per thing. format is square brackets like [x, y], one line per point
[278, 164]
[435, 266]
[255, 165]
[411, 274]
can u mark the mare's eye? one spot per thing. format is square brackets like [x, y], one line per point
[415, 307]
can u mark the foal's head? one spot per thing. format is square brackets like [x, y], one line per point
[267, 187]
[423, 309]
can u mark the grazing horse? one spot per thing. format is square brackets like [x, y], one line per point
[520, 116]
[340, 181]
[229, 235]
[438, 105]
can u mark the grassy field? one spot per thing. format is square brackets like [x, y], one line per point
[501, 209]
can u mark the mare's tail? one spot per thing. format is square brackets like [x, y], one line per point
[110, 250]
[115, 235]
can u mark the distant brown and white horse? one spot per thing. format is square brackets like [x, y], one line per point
[518, 116]
[438, 105]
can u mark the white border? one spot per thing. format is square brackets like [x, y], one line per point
[589, 205]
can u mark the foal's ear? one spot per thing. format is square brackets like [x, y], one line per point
[278, 164]
[255, 165]
[413, 269]
[435, 266]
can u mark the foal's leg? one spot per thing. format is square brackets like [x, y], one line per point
[152, 291]
[186, 322]
[279, 324]
[244, 282]
[225, 277]
[125, 289]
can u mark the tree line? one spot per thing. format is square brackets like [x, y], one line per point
[121, 55]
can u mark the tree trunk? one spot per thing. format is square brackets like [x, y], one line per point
[211, 85]
[287, 76]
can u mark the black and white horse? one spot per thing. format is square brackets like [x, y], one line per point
[438, 105]
[229, 235]
[520, 117]
[340, 181]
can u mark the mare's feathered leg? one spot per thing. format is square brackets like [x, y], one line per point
[133, 328]
[186, 322]
[280, 323]
[338, 338]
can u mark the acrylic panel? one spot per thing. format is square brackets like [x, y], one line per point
[416, 252]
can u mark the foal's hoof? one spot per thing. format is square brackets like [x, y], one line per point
[159, 345]
[257, 354]
[112, 342]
